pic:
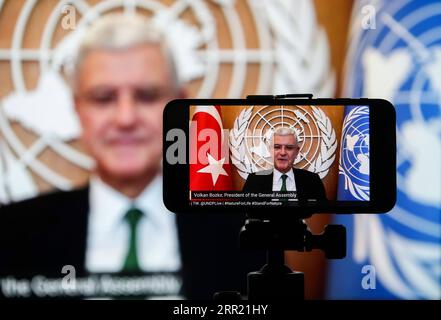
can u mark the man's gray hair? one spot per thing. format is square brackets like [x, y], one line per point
[284, 131]
[120, 32]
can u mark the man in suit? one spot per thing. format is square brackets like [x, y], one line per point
[285, 148]
[123, 78]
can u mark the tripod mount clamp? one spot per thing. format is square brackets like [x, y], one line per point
[275, 280]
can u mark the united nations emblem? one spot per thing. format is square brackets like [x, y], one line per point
[253, 128]
[354, 153]
[215, 53]
[401, 61]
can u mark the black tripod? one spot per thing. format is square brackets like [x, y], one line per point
[275, 280]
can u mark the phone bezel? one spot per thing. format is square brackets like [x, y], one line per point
[382, 147]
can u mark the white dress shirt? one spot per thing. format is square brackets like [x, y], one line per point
[108, 232]
[290, 181]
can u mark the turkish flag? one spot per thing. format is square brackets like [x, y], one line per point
[209, 167]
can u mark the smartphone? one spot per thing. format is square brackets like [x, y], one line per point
[273, 155]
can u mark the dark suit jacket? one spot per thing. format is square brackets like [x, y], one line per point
[41, 235]
[308, 184]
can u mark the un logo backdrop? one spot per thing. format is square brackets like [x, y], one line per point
[221, 48]
[398, 58]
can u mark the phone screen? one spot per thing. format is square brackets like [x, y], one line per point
[278, 155]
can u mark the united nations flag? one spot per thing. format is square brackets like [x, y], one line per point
[353, 179]
[395, 53]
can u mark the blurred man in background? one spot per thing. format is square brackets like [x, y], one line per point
[123, 78]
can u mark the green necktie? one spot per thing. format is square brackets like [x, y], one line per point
[284, 177]
[132, 217]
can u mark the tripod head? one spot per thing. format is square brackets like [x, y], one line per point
[276, 280]
[292, 234]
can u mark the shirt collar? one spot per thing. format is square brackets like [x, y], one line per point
[148, 202]
[108, 206]
[278, 174]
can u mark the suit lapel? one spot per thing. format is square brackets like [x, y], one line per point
[299, 182]
[267, 182]
[59, 236]
[72, 229]
[82, 214]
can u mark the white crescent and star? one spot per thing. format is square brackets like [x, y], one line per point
[215, 168]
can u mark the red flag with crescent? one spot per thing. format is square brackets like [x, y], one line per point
[209, 167]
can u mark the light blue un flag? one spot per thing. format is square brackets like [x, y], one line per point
[395, 54]
[353, 178]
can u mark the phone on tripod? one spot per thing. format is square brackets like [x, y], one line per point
[232, 155]
[280, 159]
